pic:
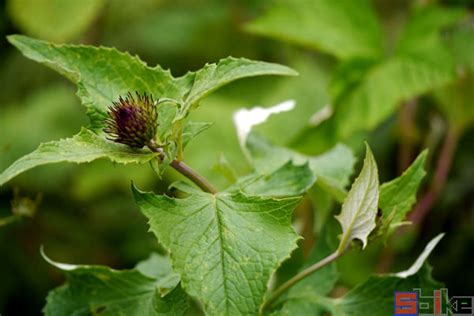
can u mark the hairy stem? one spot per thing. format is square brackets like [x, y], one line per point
[192, 175]
[185, 170]
[300, 276]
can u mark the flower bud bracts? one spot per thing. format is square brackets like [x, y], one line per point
[132, 120]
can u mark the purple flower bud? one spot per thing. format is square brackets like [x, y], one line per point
[132, 121]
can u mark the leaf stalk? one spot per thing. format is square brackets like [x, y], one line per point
[301, 275]
[185, 170]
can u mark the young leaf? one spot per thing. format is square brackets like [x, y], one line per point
[399, 195]
[102, 290]
[343, 28]
[359, 209]
[83, 147]
[225, 246]
[103, 74]
[331, 169]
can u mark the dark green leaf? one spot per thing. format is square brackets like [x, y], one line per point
[100, 290]
[84, 147]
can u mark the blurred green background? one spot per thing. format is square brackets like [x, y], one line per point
[86, 213]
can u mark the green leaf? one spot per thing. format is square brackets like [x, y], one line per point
[102, 290]
[375, 296]
[193, 129]
[366, 92]
[83, 147]
[224, 167]
[288, 180]
[385, 86]
[399, 195]
[213, 76]
[461, 42]
[54, 20]
[103, 74]
[159, 267]
[225, 246]
[359, 209]
[332, 169]
[343, 28]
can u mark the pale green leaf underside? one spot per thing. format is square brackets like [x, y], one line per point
[359, 209]
[225, 246]
[399, 195]
[83, 147]
[331, 169]
[103, 74]
[343, 28]
[102, 290]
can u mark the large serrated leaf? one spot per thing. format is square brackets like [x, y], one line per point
[343, 28]
[94, 290]
[83, 147]
[359, 209]
[103, 74]
[225, 246]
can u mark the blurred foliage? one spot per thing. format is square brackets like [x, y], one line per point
[405, 51]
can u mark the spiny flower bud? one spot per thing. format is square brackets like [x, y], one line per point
[132, 121]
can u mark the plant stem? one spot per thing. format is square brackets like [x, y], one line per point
[192, 175]
[440, 176]
[300, 276]
[185, 170]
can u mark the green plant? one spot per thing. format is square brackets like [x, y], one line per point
[223, 246]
